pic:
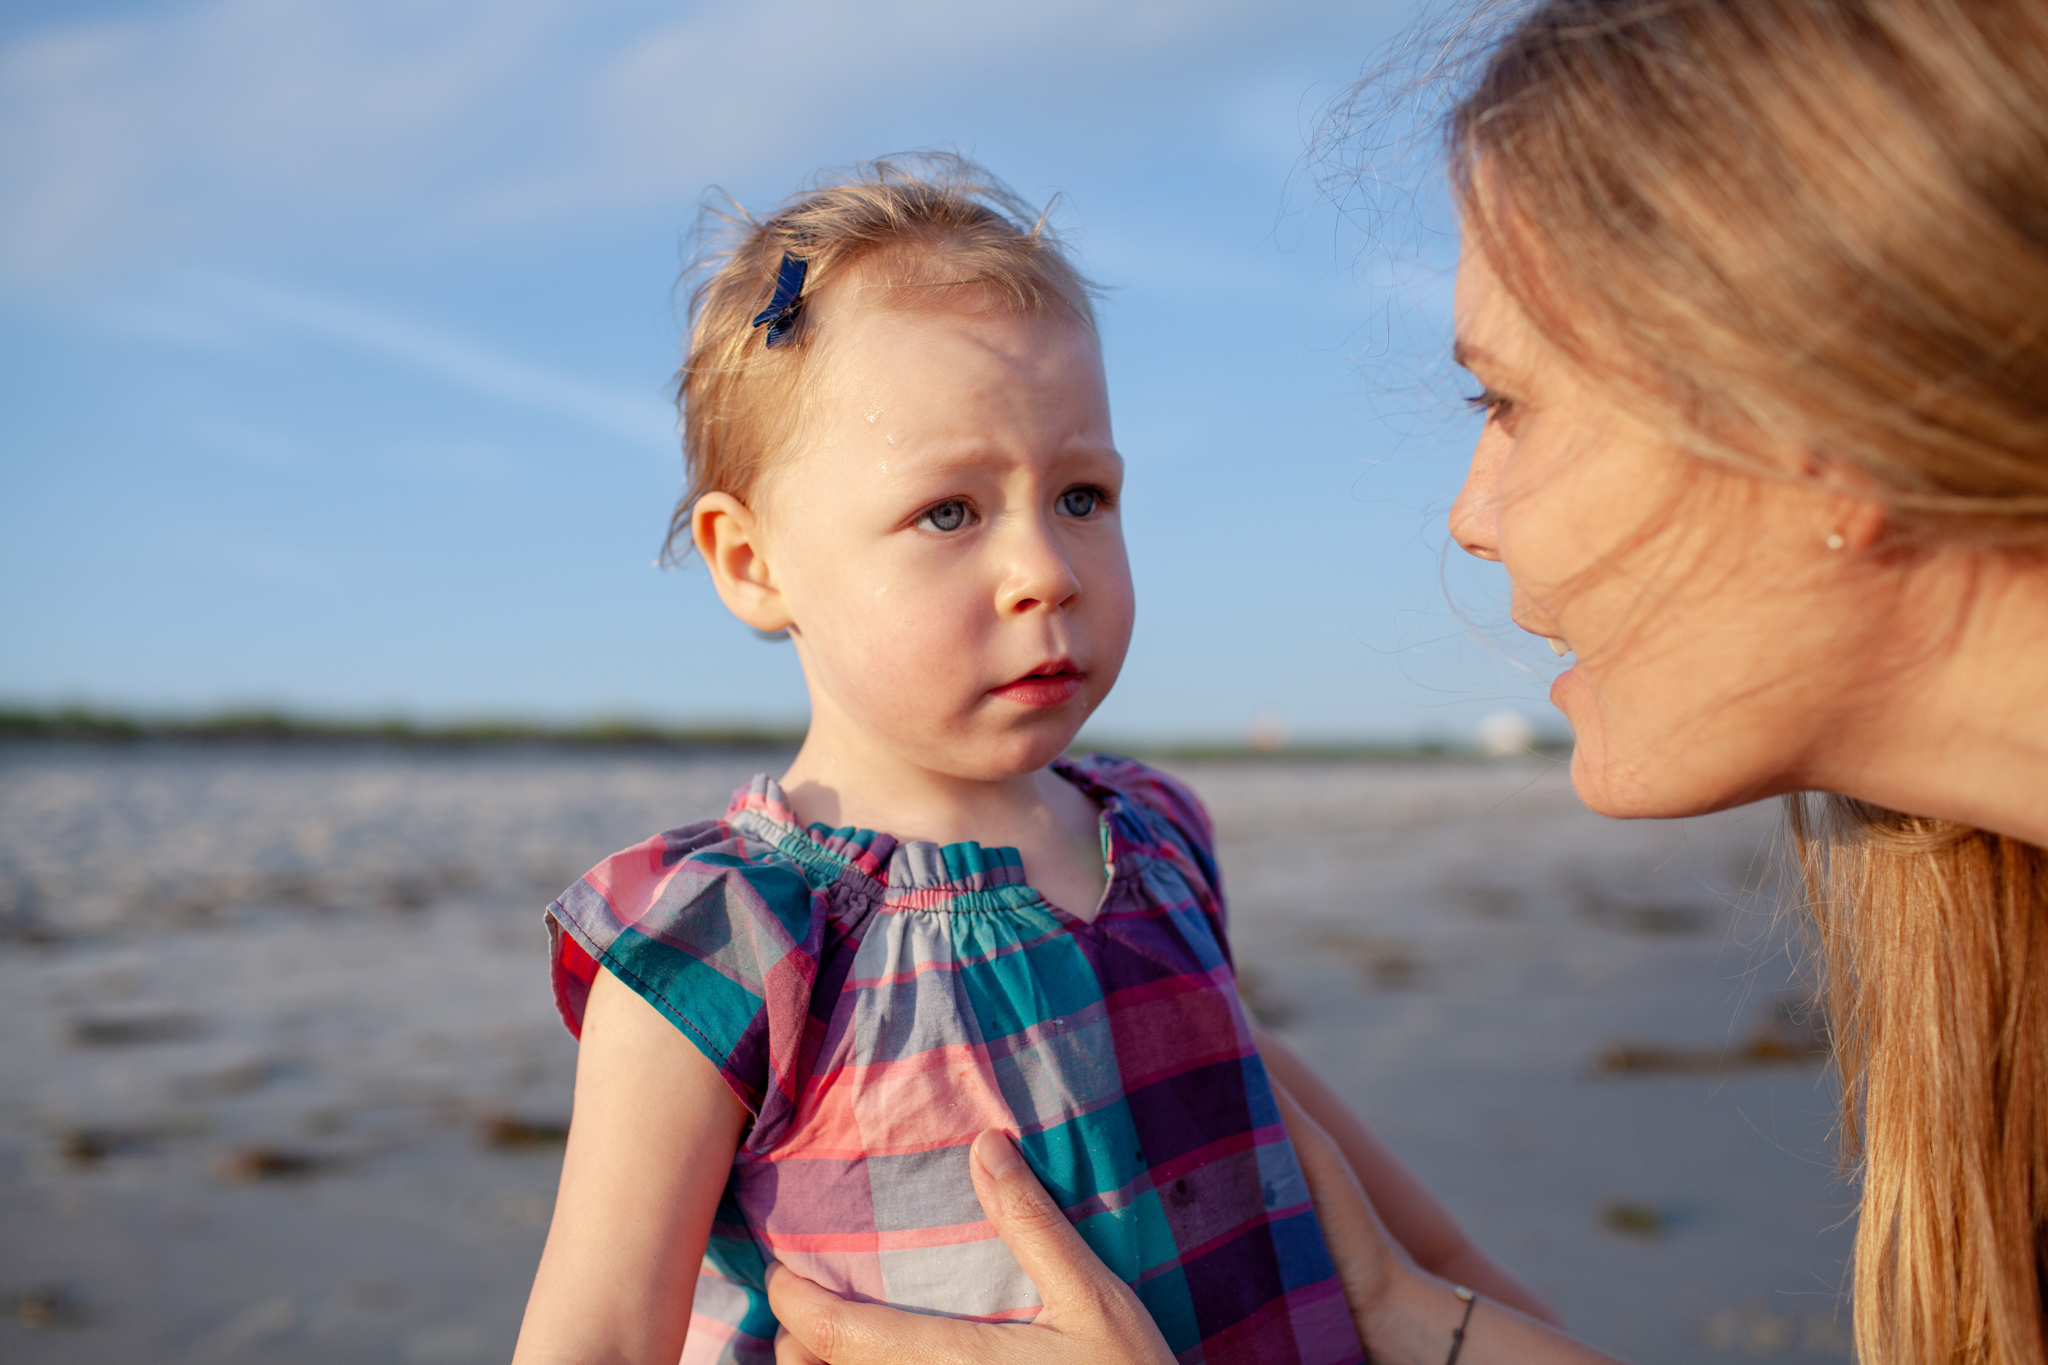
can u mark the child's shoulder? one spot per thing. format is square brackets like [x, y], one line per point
[1163, 818]
[711, 922]
[686, 862]
[1157, 793]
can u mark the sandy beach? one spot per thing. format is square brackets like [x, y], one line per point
[281, 1080]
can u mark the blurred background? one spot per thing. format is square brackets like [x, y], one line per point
[338, 339]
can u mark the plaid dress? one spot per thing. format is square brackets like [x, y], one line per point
[876, 1004]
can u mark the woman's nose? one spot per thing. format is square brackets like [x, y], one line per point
[1041, 575]
[1475, 516]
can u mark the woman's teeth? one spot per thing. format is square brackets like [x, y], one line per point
[1559, 645]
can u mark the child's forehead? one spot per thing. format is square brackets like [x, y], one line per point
[874, 335]
[912, 287]
[932, 390]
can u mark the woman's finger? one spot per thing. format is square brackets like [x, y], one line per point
[790, 1351]
[1365, 1255]
[820, 1326]
[1090, 1316]
[1063, 1267]
[1082, 1297]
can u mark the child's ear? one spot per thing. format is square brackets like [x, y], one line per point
[727, 535]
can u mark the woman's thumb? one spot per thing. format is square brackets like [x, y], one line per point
[1069, 1276]
[790, 1350]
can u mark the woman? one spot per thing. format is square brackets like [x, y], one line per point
[1757, 292]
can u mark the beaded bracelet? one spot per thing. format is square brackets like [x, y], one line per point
[1458, 1336]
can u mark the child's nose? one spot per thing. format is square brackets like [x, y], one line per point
[1040, 574]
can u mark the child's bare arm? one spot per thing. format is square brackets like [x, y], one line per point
[1413, 1216]
[650, 1146]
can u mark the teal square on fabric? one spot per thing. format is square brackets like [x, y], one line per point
[1098, 1148]
[965, 861]
[1167, 1298]
[1049, 979]
[782, 890]
[710, 1008]
[1133, 1239]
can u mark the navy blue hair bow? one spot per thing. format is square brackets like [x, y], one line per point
[780, 314]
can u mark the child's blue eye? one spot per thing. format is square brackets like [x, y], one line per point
[947, 516]
[1078, 502]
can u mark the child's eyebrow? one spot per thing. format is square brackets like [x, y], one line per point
[977, 457]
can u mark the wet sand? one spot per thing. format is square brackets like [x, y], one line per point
[280, 1079]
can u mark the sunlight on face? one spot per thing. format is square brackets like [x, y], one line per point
[948, 541]
[1710, 657]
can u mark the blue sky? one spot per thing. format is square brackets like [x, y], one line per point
[337, 332]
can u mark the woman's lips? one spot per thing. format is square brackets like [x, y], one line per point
[1558, 644]
[1045, 687]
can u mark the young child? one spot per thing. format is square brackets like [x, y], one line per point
[796, 1018]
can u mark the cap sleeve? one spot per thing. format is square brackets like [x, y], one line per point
[1178, 821]
[724, 944]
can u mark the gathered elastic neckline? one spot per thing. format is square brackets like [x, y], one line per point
[914, 874]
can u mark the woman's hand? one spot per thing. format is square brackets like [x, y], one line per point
[1090, 1316]
[1405, 1315]
[1368, 1259]
[1413, 1218]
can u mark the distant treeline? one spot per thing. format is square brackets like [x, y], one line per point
[275, 727]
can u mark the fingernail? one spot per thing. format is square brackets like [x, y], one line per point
[996, 1153]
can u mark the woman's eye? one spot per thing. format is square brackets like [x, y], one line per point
[1079, 502]
[947, 516]
[1497, 407]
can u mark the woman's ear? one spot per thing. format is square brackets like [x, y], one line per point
[1856, 516]
[1860, 522]
[727, 535]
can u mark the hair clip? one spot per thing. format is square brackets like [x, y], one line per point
[780, 314]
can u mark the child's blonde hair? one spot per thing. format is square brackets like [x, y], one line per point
[936, 224]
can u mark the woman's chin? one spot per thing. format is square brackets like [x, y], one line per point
[1622, 776]
[1623, 790]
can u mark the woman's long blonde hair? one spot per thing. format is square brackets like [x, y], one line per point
[1830, 217]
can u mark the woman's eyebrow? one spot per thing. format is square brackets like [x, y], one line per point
[1464, 354]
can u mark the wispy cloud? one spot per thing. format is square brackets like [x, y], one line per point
[452, 359]
[212, 310]
[235, 129]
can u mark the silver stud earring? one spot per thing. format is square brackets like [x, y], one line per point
[1836, 540]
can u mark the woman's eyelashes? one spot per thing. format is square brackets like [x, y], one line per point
[1498, 407]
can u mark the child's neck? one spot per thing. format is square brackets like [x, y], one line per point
[1053, 825]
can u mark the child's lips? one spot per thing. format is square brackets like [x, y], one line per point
[1049, 685]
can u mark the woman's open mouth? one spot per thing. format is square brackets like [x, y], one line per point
[1558, 644]
[1047, 685]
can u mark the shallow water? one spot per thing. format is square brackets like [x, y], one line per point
[280, 1078]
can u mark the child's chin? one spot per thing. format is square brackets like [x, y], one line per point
[1011, 756]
